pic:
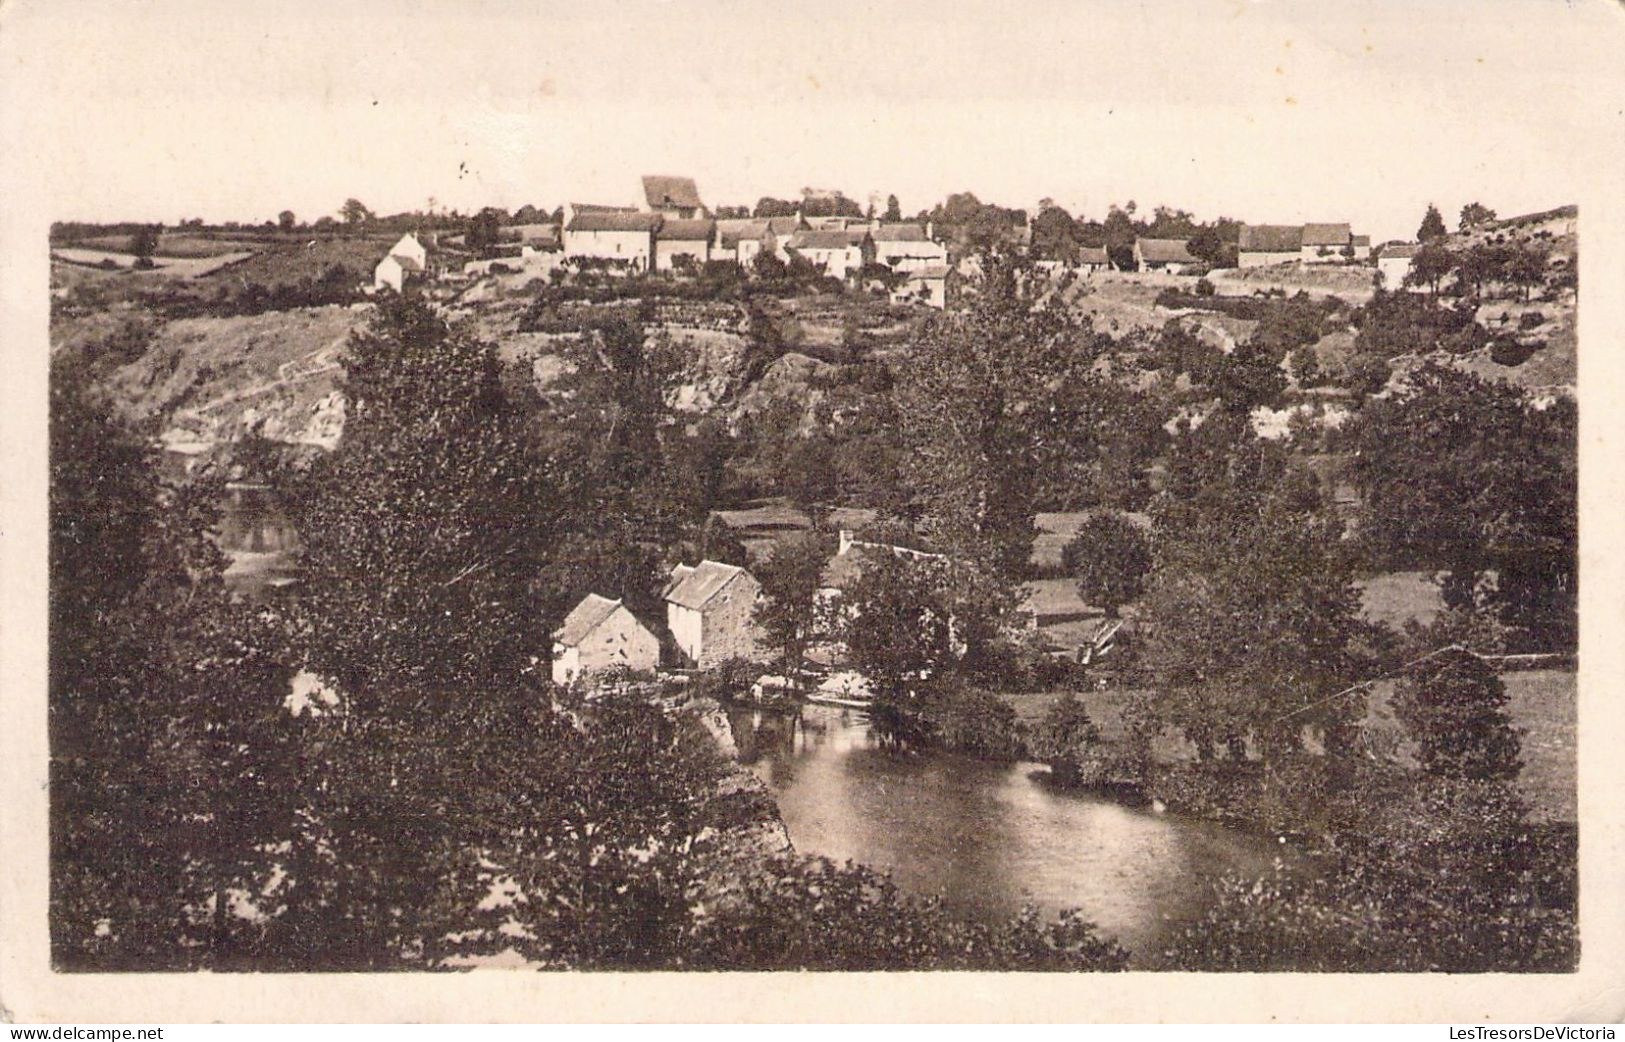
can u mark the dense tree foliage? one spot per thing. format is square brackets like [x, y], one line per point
[1468, 477]
[1110, 557]
[1455, 708]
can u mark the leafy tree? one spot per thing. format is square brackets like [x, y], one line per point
[894, 211]
[789, 611]
[424, 529]
[354, 213]
[1064, 738]
[767, 206]
[1430, 265]
[1432, 226]
[1110, 557]
[286, 220]
[1525, 267]
[169, 746]
[994, 401]
[1474, 215]
[1455, 708]
[1055, 235]
[484, 228]
[1466, 476]
[1250, 615]
[144, 243]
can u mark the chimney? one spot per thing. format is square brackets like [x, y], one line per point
[846, 542]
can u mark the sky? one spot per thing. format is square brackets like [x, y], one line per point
[1261, 110]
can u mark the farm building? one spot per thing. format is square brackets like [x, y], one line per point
[1093, 258]
[628, 238]
[1360, 247]
[1170, 255]
[407, 259]
[907, 247]
[742, 239]
[676, 238]
[838, 252]
[1262, 244]
[710, 611]
[927, 286]
[1326, 243]
[601, 634]
[1394, 263]
[675, 197]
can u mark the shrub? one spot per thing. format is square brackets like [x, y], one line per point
[1457, 713]
[1510, 352]
[1204, 287]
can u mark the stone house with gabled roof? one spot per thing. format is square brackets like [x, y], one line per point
[710, 610]
[600, 634]
[907, 247]
[1170, 255]
[838, 252]
[1326, 243]
[677, 237]
[1264, 244]
[617, 236]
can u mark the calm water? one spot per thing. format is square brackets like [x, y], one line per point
[989, 838]
[257, 536]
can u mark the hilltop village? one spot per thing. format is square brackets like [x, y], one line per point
[523, 557]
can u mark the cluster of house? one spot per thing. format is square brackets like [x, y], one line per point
[710, 616]
[710, 609]
[674, 231]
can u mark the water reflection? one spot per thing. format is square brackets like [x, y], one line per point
[988, 837]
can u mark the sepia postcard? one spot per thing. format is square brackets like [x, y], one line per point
[712, 511]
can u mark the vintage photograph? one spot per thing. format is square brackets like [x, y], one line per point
[707, 486]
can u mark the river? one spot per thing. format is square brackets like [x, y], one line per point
[988, 837]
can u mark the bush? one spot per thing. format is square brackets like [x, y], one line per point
[1204, 287]
[1531, 320]
[1510, 352]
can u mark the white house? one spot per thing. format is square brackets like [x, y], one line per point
[928, 286]
[627, 238]
[1394, 263]
[1170, 255]
[1360, 246]
[741, 239]
[838, 252]
[710, 610]
[907, 247]
[677, 237]
[1262, 244]
[406, 259]
[601, 634]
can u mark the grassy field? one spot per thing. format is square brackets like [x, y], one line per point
[174, 244]
[286, 264]
[1396, 598]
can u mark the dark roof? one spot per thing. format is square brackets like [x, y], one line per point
[1325, 234]
[820, 239]
[544, 234]
[900, 233]
[1093, 255]
[1360, 240]
[1403, 249]
[1164, 250]
[677, 192]
[616, 221]
[584, 618]
[1271, 238]
[697, 229]
[694, 587]
[784, 225]
[581, 208]
[731, 229]
[407, 263]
